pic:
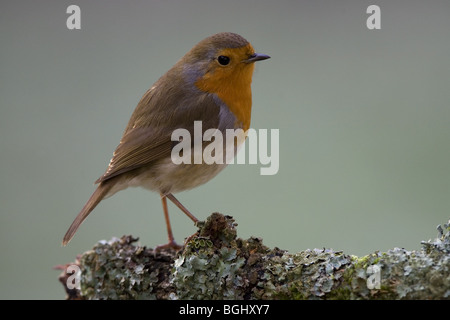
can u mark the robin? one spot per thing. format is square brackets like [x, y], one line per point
[211, 84]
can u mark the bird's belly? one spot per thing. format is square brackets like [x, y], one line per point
[164, 176]
[167, 177]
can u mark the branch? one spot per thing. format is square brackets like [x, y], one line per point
[215, 264]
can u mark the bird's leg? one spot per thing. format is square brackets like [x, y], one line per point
[171, 244]
[182, 208]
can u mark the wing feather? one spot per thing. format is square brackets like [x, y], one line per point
[148, 139]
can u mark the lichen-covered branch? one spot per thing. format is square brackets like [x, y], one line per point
[215, 264]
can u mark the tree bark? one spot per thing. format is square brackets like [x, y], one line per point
[215, 264]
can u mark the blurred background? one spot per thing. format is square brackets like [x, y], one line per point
[363, 117]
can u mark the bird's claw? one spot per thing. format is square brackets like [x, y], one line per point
[170, 245]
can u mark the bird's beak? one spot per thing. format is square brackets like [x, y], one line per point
[256, 57]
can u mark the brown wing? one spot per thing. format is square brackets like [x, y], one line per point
[147, 139]
[137, 149]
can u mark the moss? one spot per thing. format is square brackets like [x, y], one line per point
[340, 293]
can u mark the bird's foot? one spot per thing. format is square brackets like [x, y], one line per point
[170, 245]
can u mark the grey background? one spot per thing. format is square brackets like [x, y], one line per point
[363, 118]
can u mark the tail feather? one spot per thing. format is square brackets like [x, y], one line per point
[93, 201]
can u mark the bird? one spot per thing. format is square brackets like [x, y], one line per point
[211, 83]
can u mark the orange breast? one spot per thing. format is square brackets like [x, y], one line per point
[233, 84]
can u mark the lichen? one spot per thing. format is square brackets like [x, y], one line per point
[216, 264]
[117, 269]
[211, 265]
[311, 274]
[210, 273]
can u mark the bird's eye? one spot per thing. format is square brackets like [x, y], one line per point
[223, 60]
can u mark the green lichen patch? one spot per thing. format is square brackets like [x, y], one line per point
[213, 273]
[212, 263]
[311, 274]
[118, 269]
